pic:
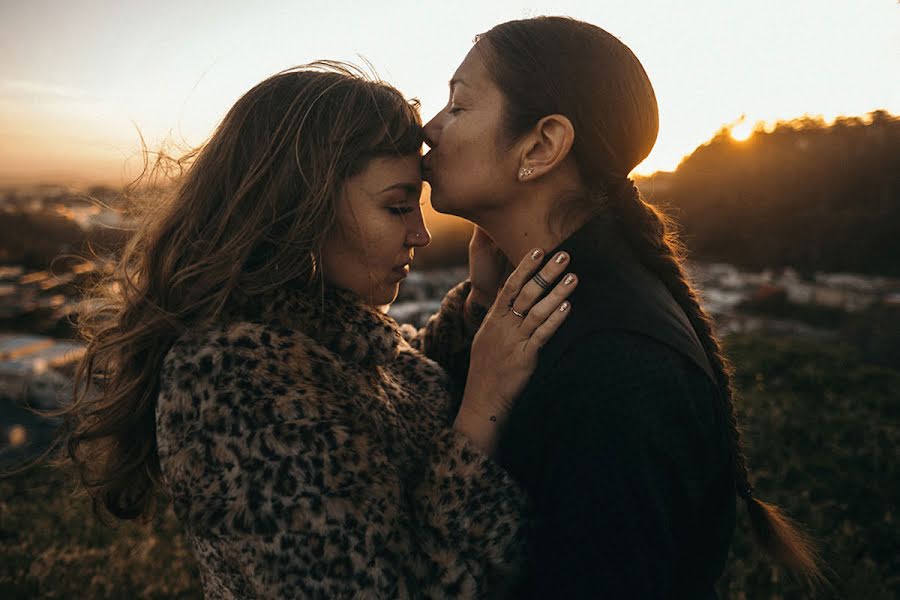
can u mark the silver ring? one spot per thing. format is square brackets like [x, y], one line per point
[517, 313]
[543, 283]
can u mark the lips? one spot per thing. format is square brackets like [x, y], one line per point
[426, 167]
[400, 273]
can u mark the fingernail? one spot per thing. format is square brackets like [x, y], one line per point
[564, 307]
[560, 258]
[536, 254]
[569, 279]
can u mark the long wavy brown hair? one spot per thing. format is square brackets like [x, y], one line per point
[247, 211]
[557, 65]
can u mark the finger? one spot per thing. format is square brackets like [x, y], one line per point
[546, 330]
[527, 267]
[480, 238]
[544, 309]
[533, 290]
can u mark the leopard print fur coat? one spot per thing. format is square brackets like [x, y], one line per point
[308, 450]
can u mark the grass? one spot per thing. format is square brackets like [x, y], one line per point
[52, 546]
[822, 429]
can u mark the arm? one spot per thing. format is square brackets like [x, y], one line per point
[447, 336]
[467, 503]
[295, 500]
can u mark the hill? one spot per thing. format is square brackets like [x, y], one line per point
[804, 193]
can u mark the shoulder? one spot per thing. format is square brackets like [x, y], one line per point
[243, 338]
[622, 375]
[203, 353]
[620, 355]
[248, 371]
[246, 391]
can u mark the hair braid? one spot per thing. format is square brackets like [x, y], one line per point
[650, 234]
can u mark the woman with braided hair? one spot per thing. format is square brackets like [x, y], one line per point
[626, 437]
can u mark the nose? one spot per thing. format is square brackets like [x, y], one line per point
[418, 235]
[433, 130]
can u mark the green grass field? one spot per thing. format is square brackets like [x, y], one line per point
[822, 430]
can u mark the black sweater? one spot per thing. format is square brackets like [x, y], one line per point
[622, 442]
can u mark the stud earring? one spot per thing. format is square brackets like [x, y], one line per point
[525, 172]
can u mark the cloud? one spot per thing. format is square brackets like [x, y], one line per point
[19, 88]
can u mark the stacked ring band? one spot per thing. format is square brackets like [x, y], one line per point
[543, 283]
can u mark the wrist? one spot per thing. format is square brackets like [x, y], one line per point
[474, 312]
[479, 429]
[481, 297]
[480, 417]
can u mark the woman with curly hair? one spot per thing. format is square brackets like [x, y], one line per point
[243, 363]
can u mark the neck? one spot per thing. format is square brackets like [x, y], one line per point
[525, 224]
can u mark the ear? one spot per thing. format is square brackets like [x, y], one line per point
[546, 146]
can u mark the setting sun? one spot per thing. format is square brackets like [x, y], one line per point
[741, 131]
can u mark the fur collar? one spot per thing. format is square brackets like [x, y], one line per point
[337, 319]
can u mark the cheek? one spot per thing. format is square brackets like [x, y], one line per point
[476, 169]
[474, 151]
[467, 142]
[372, 239]
[345, 249]
[373, 247]
[337, 255]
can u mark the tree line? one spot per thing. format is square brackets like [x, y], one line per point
[804, 193]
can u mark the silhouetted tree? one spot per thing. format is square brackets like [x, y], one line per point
[805, 194]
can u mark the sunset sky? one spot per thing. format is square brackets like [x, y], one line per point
[78, 79]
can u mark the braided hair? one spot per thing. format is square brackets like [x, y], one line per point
[558, 65]
[651, 236]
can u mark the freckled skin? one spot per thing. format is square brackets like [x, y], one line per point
[379, 225]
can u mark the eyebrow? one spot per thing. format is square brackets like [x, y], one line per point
[405, 186]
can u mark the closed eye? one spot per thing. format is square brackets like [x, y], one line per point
[400, 210]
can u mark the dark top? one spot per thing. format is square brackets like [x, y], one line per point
[622, 442]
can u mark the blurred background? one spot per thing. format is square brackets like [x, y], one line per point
[778, 156]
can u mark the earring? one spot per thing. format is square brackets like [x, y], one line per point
[525, 172]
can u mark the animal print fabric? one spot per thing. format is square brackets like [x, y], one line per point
[445, 337]
[308, 450]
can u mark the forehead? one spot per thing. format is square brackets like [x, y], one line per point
[472, 71]
[385, 171]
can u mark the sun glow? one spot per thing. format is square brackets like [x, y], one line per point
[741, 131]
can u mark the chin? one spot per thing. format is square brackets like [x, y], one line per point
[440, 204]
[384, 296]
